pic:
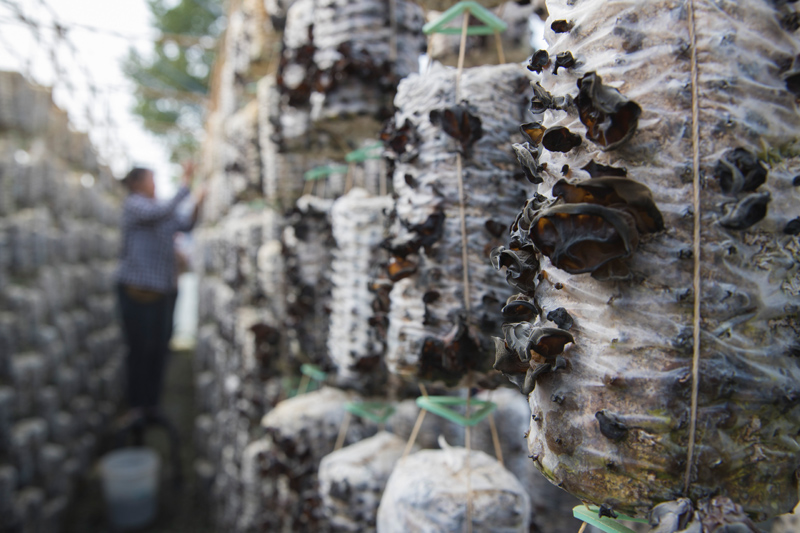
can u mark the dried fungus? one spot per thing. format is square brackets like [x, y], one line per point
[583, 237]
[746, 212]
[527, 351]
[597, 170]
[610, 118]
[399, 268]
[560, 139]
[561, 318]
[539, 60]
[460, 123]
[528, 157]
[534, 132]
[401, 141]
[610, 426]
[739, 170]
[792, 227]
[561, 26]
[564, 60]
[625, 194]
[522, 267]
[519, 309]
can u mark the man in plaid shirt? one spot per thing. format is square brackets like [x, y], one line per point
[147, 283]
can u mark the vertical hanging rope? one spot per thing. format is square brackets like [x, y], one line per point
[501, 56]
[498, 451]
[459, 170]
[348, 181]
[464, 261]
[695, 249]
[342, 431]
[417, 425]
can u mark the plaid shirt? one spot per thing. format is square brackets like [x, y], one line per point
[148, 250]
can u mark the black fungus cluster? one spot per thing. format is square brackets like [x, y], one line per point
[740, 174]
[591, 226]
[460, 123]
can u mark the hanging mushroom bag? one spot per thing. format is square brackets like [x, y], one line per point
[657, 262]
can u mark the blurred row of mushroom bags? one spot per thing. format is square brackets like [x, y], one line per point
[595, 241]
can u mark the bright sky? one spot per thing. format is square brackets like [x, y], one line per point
[88, 52]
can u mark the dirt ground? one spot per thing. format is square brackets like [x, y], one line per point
[180, 509]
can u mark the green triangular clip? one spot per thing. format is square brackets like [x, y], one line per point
[439, 405]
[292, 386]
[324, 171]
[378, 412]
[362, 154]
[493, 23]
[314, 372]
[609, 525]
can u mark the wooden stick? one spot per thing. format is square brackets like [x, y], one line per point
[348, 180]
[462, 49]
[498, 451]
[414, 432]
[301, 388]
[342, 431]
[501, 55]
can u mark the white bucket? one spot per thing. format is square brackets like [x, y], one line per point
[130, 486]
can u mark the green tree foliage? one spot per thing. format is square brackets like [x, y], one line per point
[172, 82]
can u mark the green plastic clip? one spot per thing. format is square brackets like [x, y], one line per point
[378, 412]
[314, 372]
[440, 405]
[609, 525]
[362, 154]
[324, 172]
[292, 386]
[493, 24]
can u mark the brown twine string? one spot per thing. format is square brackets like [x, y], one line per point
[348, 180]
[498, 451]
[464, 263]
[501, 56]
[342, 431]
[308, 187]
[382, 185]
[459, 168]
[417, 425]
[303, 385]
[695, 249]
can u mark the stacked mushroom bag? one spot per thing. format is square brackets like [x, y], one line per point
[427, 492]
[432, 335]
[352, 479]
[307, 244]
[603, 257]
[359, 295]
[342, 60]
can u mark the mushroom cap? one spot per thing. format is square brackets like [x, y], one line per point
[609, 116]
[582, 237]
